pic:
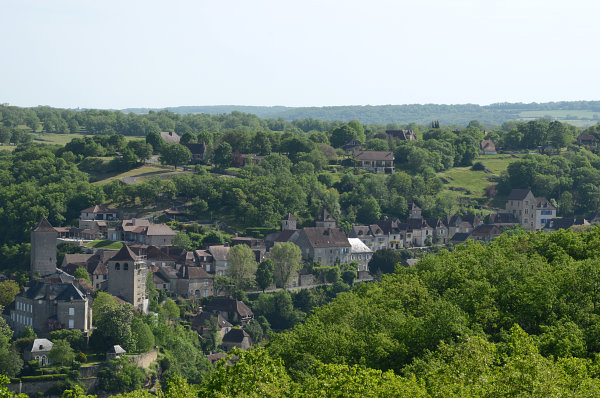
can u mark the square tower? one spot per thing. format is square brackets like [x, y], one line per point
[127, 277]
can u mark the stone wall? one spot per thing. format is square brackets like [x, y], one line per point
[144, 360]
[33, 387]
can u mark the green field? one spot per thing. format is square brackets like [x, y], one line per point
[579, 118]
[7, 147]
[145, 170]
[104, 244]
[471, 183]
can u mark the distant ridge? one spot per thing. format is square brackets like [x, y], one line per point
[582, 113]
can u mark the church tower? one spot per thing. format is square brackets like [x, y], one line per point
[127, 277]
[288, 223]
[325, 220]
[43, 249]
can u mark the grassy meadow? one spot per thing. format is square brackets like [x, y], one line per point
[468, 183]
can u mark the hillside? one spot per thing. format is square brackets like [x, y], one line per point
[580, 113]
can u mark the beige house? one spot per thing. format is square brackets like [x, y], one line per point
[194, 282]
[360, 253]
[96, 218]
[142, 232]
[219, 254]
[375, 161]
[533, 213]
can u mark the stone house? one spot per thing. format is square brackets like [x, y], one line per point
[219, 254]
[160, 281]
[326, 245]
[375, 161]
[51, 304]
[232, 310]
[194, 282]
[204, 260]
[141, 231]
[522, 204]
[201, 324]
[418, 232]
[39, 351]
[544, 212]
[533, 213]
[404, 135]
[236, 338]
[371, 235]
[96, 218]
[461, 224]
[360, 253]
[485, 232]
[395, 235]
[169, 277]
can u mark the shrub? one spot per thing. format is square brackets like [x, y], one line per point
[81, 357]
[478, 166]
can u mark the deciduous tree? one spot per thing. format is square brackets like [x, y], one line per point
[287, 259]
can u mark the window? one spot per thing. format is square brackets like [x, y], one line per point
[104, 277]
[71, 324]
[71, 311]
[117, 267]
[125, 266]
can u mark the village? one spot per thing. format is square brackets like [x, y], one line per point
[55, 299]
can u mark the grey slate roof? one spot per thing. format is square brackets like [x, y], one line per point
[374, 155]
[227, 304]
[235, 336]
[54, 291]
[44, 226]
[518, 194]
[41, 345]
[326, 237]
[125, 254]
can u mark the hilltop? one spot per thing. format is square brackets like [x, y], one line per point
[580, 113]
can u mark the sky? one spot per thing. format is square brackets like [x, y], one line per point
[119, 54]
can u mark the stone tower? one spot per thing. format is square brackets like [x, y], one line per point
[414, 211]
[288, 223]
[43, 249]
[325, 220]
[127, 278]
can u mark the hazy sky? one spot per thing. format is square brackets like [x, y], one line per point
[117, 54]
